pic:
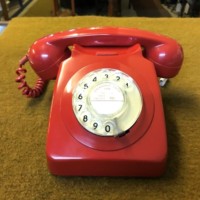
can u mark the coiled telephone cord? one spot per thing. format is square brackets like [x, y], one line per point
[37, 90]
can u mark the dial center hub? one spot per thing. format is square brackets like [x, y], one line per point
[107, 99]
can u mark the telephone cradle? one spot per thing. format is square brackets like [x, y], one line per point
[106, 116]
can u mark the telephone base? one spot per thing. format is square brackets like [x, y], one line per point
[119, 168]
[144, 158]
[73, 150]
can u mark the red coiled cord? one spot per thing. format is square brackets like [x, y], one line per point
[26, 89]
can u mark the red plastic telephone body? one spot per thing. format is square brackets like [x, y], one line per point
[71, 149]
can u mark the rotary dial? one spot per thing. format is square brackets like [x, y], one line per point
[107, 102]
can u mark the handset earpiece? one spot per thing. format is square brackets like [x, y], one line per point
[45, 59]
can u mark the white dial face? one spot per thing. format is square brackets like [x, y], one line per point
[107, 102]
[106, 99]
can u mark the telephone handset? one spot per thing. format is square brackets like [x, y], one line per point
[106, 116]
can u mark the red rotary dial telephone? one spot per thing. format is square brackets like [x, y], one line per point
[106, 115]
